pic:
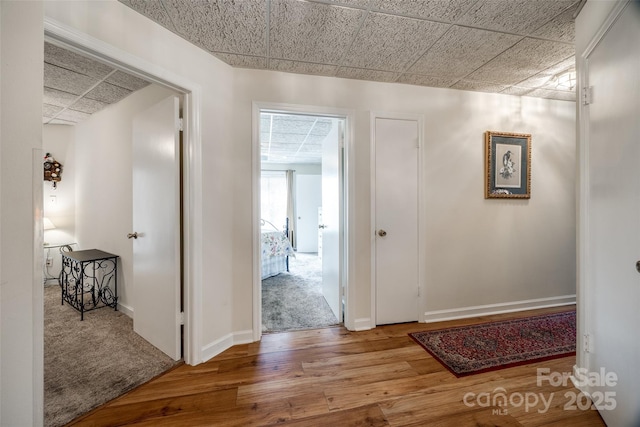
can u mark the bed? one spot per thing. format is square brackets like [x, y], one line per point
[276, 249]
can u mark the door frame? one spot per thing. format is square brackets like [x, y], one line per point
[347, 205]
[76, 41]
[421, 207]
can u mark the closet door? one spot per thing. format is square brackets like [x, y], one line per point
[396, 220]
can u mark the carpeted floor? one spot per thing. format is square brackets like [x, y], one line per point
[294, 300]
[489, 346]
[88, 363]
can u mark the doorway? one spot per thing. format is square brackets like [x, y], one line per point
[301, 205]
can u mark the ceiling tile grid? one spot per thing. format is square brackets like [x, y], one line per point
[76, 86]
[484, 45]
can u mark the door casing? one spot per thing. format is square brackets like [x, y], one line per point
[347, 228]
[81, 43]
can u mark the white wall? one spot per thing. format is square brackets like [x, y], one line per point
[104, 192]
[21, 322]
[479, 252]
[60, 203]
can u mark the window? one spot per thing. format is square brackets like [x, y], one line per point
[273, 197]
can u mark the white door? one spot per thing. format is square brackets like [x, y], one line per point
[331, 218]
[396, 220]
[614, 215]
[156, 219]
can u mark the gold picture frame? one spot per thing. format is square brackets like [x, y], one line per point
[507, 165]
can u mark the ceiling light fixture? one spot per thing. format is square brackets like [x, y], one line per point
[566, 80]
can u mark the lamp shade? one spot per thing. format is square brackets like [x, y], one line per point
[48, 225]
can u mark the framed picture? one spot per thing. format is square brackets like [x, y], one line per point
[507, 165]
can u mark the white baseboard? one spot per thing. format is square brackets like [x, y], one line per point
[126, 309]
[218, 346]
[363, 324]
[507, 307]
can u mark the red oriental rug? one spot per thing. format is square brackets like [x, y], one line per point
[467, 350]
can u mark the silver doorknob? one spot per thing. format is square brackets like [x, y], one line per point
[382, 233]
[133, 235]
[322, 226]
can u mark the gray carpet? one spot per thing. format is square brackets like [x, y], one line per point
[87, 363]
[294, 300]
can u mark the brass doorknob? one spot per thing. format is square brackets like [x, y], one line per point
[382, 233]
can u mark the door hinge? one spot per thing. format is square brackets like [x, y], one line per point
[587, 344]
[587, 95]
[181, 318]
[180, 124]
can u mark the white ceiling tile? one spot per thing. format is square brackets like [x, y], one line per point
[567, 64]
[311, 32]
[561, 28]
[522, 61]
[57, 97]
[127, 81]
[462, 50]
[242, 61]
[64, 58]
[479, 86]
[49, 110]
[536, 81]
[154, 10]
[221, 26]
[415, 79]
[364, 74]
[391, 43]
[73, 116]
[518, 16]
[302, 67]
[88, 106]
[108, 93]
[515, 90]
[362, 4]
[442, 10]
[66, 81]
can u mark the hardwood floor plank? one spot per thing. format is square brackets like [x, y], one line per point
[332, 377]
[131, 413]
[370, 416]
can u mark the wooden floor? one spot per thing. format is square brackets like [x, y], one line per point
[333, 377]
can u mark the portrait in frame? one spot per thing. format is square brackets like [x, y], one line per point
[507, 165]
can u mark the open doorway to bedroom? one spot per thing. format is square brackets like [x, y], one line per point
[301, 159]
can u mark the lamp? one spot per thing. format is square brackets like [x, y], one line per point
[48, 225]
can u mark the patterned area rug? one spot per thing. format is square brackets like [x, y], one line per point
[293, 301]
[479, 348]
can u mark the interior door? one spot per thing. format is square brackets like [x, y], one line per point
[331, 219]
[156, 220]
[614, 216]
[396, 220]
[308, 200]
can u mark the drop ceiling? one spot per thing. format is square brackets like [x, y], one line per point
[293, 138]
[76, 86]
[516, 47]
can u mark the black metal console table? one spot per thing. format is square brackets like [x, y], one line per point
[87, 277]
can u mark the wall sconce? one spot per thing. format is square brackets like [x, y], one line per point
[566, 80]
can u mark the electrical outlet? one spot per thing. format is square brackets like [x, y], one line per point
[49, 262]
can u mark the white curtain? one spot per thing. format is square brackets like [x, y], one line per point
[290, 204]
